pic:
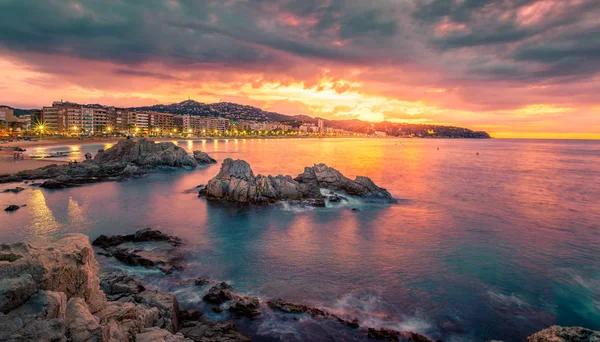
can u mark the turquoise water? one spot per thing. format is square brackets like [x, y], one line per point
[492, 239]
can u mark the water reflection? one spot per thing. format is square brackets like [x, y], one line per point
[489, 246]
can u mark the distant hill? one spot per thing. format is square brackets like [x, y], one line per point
[236, 112]
[232, 111]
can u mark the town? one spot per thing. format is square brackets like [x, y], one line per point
[72, 119]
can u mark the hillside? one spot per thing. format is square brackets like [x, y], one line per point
[236, 112]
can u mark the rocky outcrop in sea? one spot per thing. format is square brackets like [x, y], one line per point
[236, 182]
[126, 159]
[203, 158]
[148, 248]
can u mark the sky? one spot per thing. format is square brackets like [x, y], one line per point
[514, 68]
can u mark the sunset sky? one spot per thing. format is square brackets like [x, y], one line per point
[515, 68]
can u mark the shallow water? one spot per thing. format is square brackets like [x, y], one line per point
[495, 245]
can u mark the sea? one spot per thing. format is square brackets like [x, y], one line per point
[490, 239]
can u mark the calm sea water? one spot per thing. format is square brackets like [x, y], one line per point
[495, 245]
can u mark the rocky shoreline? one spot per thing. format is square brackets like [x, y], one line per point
[128, 158]
[236, 182]
[53, 292]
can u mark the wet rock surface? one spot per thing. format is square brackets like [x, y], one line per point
[12, 207]
[148, 248]
[240, 305]
[236, 182]
[203, 158]
[126, 159]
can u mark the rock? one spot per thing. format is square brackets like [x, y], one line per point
[245, 306]
[126, 159]
[155, 334]
[208, 331]
[82, 326]
[122, 321]
[66, 266]
[55, 184]
[148, 248]
[288, 307]
[16, 291]
[557, 333]
[190, 315]
[330, 178]
[167, 305]
[202, 281]
[118, 285]
[146, 153]
[12, 207]
[125, 288]
[203, 158]
[236, 182]
[219, 294]
[15, 190]
[41, 318]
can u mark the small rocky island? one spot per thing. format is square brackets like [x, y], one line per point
[128, 158]
[237, 183]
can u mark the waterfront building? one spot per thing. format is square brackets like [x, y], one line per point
[161, 121]
[141, 122]
[87, 120]
[321, 125]
[7, 114]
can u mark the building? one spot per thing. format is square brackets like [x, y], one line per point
[217, 125]
[141, 122]
[161, 122]
[54, 120]
[87, 120]
[7, 114]
[321, 126]
[124, 120]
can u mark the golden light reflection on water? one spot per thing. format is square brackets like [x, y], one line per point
[43, 221]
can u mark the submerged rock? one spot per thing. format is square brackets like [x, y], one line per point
[203, 158]
[557, 333]
[12, 207]
[14, 190]
[237, 183]
[289, 307]
[148, 248]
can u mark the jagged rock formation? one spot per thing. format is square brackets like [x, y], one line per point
[51, 292]
[203, 158]
[148, 248]
[146, 153]
[14, 190]
[237, 183]
[128, 158]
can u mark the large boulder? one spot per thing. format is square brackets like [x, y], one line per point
[236, 182]
[66, 266]
[329, 178]
[557, 333]
[146, 153]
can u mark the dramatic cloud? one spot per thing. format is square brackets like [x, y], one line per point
[512, 67]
